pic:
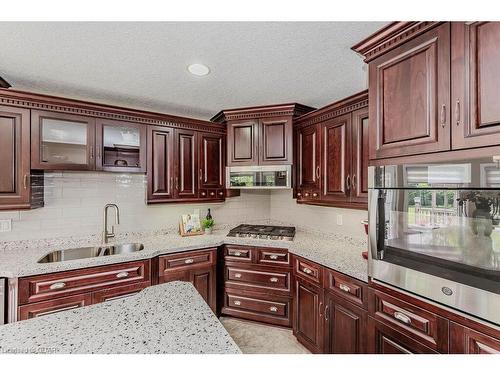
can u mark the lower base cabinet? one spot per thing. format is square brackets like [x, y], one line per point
[464, 340]
[36, 309]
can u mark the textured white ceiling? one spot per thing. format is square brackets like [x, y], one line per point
[143, 65]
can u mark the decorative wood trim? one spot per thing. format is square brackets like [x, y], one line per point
[287, 109]
[347, 105]
[4, 84]
[391, 36]
[79, 107]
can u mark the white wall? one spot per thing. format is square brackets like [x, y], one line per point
[74, 203]
[316, 218]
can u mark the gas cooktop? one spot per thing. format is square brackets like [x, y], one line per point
[266, 232]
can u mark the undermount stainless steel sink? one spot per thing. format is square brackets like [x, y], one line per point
[91, 252]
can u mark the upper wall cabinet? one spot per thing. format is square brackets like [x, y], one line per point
[433, 87]
[260, 135]
[331, 153]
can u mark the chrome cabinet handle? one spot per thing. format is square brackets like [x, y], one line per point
[237, 303]
[177, 183]
[273, 257]
[201, 174]
[457, 111]
[315, 195]
[307, 271]
[56, 286]
[443, 115]
[299, 194]
[203, 193]
[25, 182]
[122, 275]
[237, 275]
[171, 183]
[402, 317]
[91, 153]
[212, 193]
[306, 195]
[221, 193]
[273, 279]
[318, 171]
[326, 312]
[344, 287]
[319, 308]
[237, 254]
[273, 309]
[188, 261]
[354, 181]
[348, 182]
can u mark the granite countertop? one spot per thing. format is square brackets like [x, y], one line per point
[340, 253]
[166, 318]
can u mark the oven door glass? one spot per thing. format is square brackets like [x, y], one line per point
[450, 233]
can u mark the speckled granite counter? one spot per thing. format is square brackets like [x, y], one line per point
[166, 318]
[337, 252]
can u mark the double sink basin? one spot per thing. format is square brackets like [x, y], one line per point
[91, 252]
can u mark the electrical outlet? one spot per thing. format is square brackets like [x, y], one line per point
[339, 219]
[6, 225]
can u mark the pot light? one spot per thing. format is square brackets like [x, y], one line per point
[198, 69]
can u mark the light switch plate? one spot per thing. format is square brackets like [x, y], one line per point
[339, 219]
[6, 225]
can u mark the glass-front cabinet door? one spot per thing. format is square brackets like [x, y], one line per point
[62, 141]
[120, 146]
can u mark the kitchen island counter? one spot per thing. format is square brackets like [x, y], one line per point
[166, 318]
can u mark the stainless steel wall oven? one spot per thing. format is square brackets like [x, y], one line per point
[434, 230]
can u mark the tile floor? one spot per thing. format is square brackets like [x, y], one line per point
[255, 338]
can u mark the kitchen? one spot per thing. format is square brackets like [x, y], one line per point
[317, 224]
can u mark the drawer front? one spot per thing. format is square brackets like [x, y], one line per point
[259, 278]
[308, 270]
[54, 306]
[351, 289]
[238, 253]
[45, 287]
[257, 305]
[176, 262]
[119, 292]
[420, 324]
[274, 257]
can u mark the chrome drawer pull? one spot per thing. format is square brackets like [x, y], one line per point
[344, 287]
[237, 275]
[273, 257]
[402, 317]
[56, 286]
[122, 275]
[188, 261]
[273, 308]
[307, 270]
[273, 279]
[237, 254]
[237, 303]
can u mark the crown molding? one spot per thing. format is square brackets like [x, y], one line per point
[79, 107]
[391, 36]
[288, 109]
[347, 105]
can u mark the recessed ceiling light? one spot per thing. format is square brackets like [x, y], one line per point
[198, 69]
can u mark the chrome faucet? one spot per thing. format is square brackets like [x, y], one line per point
[106, 234]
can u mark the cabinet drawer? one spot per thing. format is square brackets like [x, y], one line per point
[351, 289]
[185, 260]
[234, 253]
[257, 306]
[308, 270]
[50, 286]
[413, 321]
[258, 278]
[56, 305]
[275, 257]
[118, 292]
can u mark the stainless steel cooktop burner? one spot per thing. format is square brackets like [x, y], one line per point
[266, 232]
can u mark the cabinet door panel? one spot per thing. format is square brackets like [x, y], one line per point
[336, 174]
[204, 282]
[160, 163]
[308, 319]
[360, 143]
[14, 157]
[410, 97]
[464, 340]
[186, 161]
[476, 82]
[211, 164]
[242, 143]
[308, 158]
[275, 141]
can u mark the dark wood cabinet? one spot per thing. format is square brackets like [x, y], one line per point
[464, 340]
[211, 161]
[119, 292]
[16, 179]
[308, 322]
[186, 164]
[160, 163]
[410, 97]
[34, 310]
[345, 326]
[62, 141]
[120, 146]
[475, 83]
[332, 154]
[260, 135]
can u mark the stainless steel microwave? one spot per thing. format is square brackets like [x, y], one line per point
[434, 230]
[259, 177]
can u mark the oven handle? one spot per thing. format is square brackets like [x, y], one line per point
[375, 212]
